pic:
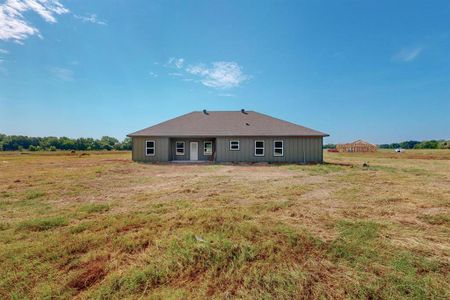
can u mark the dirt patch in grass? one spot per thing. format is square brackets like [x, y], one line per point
[91, 273]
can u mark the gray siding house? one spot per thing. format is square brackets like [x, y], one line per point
[227, 136]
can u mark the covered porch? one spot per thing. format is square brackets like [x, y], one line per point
[192, 150]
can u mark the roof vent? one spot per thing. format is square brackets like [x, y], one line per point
[247, 124]
[205, 112]
[243, 111]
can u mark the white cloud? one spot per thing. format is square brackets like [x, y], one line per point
[3, 51]
[91, 18]
[14, 26]
[61, 73]
[153, 74]
[407, 54]
[175, 62]
[221, 74]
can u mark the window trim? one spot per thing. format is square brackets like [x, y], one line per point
[238, 145]
[204, 148]
[154, 147]
[282, 148]
[176, 148]
[263, 148]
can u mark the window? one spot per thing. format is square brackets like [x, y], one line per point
[278, 148]
[207, 148]
[150, 148]
[234, 145]
[259, 148]
[179, 147]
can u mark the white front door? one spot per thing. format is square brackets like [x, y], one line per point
[193, 151]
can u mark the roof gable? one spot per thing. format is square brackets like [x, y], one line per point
[226, 123]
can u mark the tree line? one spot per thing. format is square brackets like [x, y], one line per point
[432, 144]
[50, 143]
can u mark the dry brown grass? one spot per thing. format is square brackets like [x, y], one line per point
[102, 226]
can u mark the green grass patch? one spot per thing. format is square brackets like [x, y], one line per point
[34, 194]
[404, 274]
[356, 242]
[134, 242]
[95, 208]
[230, 259]
[41, 224]
[81, 227]
[415, 277]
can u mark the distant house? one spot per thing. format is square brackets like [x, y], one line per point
[357, 146]
[227, 136]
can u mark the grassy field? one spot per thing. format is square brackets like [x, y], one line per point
[101, 226]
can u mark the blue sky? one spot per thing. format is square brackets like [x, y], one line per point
[376, 70]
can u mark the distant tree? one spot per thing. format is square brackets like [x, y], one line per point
[47, 142]
[444, 145]
[329, 146]
[124, 145]
[427, 145]
[127, 144]
[108, 143]
[13, 142]
[409, 144]
[51, 143]
[66, 144]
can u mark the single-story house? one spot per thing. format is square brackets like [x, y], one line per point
[227, 136]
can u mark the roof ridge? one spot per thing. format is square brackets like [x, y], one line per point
[201, 111]
[227, 123]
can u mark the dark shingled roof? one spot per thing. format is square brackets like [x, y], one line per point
[226, 123]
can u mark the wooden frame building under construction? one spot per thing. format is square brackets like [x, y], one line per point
[356, 146]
